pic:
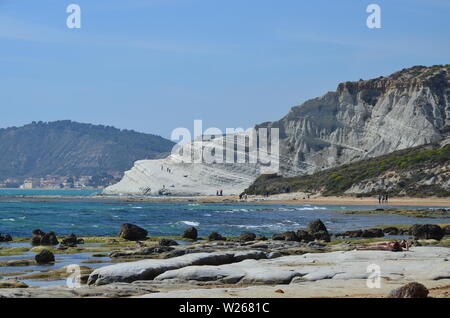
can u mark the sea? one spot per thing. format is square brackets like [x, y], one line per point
[76, 212]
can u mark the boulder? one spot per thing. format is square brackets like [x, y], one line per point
[45, 257]
[411, 290]
[447, 230]
[167, 242]
[278, 237]
[190, 233]
[427, 231]
[132, 232]
[353, 234]
[246, 237]
[322, 236]
[260, 238]
[5, 238]
[316, 226]
[290, 236]
[370, 233]
[318, 230]
[214, 236]
[148, 269]
[71, 240]
[391, 230]
[304, 236]
[37, 236]
[41, 238]
[49, 238]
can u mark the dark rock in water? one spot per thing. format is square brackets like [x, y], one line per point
[44, 257]
[37, 236]
[38, 232]
[316, 226]
[411, 290]
[427, 231]
[49, 238]
[318, 230]
[41, 238]
[447, 230]
[260, 238]
[246, 237]
[214, 236]
[304, 236]
[5, 238]
[190, 233]
[391, 231]
[132, 232]
[353, 234]
[167, 242]
[370, 233]
[71, 241]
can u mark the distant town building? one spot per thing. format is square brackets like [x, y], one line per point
[31, 183]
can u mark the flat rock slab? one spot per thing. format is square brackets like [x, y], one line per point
[333, 274]
[427, 263]
[306, 289]
[151, 268]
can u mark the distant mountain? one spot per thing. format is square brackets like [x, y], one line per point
[70, 148]
[420, 172]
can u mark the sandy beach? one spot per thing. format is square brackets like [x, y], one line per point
[286, 198]
[301, 198]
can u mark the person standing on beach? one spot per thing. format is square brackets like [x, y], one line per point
[379, 198]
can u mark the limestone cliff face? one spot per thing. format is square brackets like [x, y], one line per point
[359, 120]
[366, 119]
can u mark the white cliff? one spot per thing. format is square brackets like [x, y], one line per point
[359, 120]
[180, 175]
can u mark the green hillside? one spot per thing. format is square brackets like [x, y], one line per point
[410, 168]
[71, 148]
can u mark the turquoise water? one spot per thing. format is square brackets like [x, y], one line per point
[104, 217]
[89, 216]
[42, 192]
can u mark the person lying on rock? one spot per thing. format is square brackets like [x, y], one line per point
[394, 246]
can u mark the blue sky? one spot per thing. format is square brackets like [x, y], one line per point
[154, 65]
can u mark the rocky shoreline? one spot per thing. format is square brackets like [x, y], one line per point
[138, 265]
